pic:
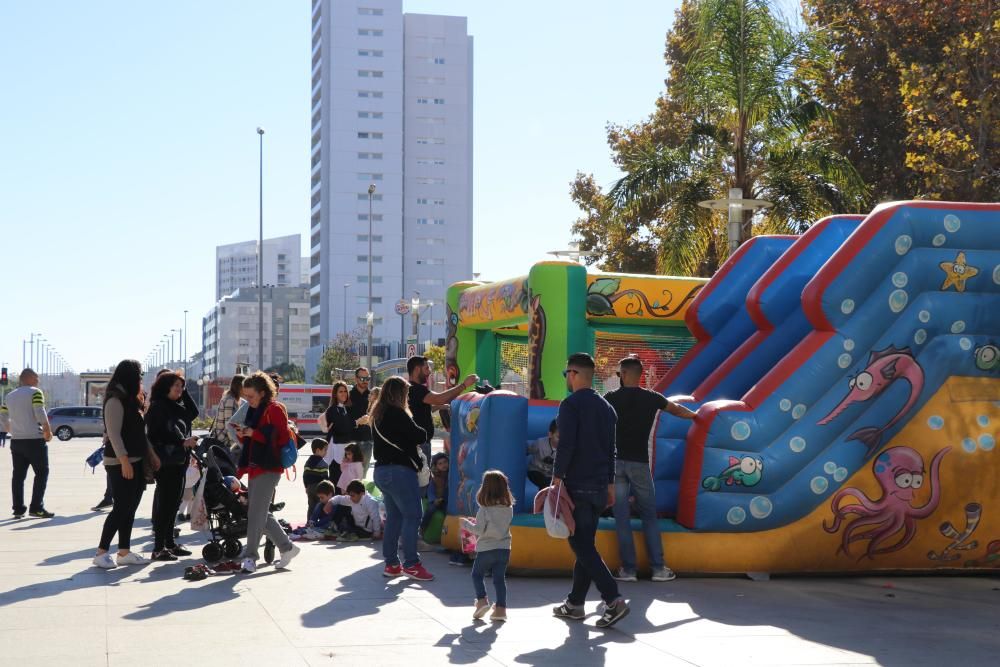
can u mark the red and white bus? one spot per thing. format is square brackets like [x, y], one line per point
[305, 403]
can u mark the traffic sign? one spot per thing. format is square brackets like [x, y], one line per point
[402, 307]
[411, 350]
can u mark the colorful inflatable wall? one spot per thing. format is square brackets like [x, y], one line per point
[846, 382]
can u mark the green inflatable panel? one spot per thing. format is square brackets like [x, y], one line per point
[432, 535]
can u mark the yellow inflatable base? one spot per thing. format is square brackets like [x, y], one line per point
[961, 533]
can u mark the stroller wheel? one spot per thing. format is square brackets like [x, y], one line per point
[232, 548]
[212, 552]
[268, 551]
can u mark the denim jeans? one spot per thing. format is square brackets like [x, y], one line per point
[637, 476]
[494, 560]
[589, 567]
[402, 512]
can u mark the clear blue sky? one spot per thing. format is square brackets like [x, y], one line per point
[129, 148]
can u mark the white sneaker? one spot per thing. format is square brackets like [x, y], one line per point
[105, 561]
[312, 535]
[287, 557]
[132, 558]
[248, 566]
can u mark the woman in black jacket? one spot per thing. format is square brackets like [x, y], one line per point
[168, 426]
[340, 426]
[125, 448]
[397, 460]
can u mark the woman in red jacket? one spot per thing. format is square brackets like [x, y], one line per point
[263, 435]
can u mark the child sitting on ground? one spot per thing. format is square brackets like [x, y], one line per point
[356, 514]
[314, 472]
[543, 454]
[492, 528]
[321, 518]
[437, 490]
[352, 466]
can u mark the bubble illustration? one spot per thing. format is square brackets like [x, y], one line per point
[958, 326]
[938, 240]
[829, 467]
[903, 244]
[897, 300]
[785, 405]
[819, 485]
[840, 474]
[847, 306]
[965, 343]
[844, 360]
[969, 445]
[798, 411]
[797, 444]
[919, 336]
[936, 422]
[924, 316]
[996, 274]
[848, 344]
[983, 420]
[899, 279]
[952, 223]
[736, 515]
[986, 442]
[760, 507]
[740, 431]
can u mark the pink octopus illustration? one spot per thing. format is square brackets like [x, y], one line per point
[899, 471]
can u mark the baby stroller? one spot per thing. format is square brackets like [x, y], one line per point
[227, 516]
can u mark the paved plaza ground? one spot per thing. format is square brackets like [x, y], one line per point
[334, 607]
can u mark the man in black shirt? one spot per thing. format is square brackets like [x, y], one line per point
[637, 408]
[358, 408]
[422, 399]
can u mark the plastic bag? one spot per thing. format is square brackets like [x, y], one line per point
[199, 513]
[554, 525]
[467, 537]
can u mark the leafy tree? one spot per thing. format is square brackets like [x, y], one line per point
[290, 373]
[734, 115]
[341, 353]
[435, 354]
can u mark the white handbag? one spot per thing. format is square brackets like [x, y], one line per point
[554, 525]
[423, 471]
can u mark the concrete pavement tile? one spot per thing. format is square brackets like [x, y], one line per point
[379, 628]
[53, 617]
[217, 653]
[212, 634]
[68, 643]
[755, 650]
[402, 655]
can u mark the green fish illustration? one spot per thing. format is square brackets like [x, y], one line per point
[746, 471]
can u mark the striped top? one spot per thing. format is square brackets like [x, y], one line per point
[26, 413]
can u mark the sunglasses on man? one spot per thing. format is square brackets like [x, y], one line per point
[570, 370]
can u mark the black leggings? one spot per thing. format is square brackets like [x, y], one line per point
[166, 502]
[126, 493]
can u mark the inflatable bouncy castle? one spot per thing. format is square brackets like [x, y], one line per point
[846, 384]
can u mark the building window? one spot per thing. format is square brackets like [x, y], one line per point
[364, 320]
[377, 94]
[439, 202]
[438, 100]
[369, 135]
[430, 120]
[363, 196]
[376, 259]
[429, 281]
[364, 300]
[439, 61]
[430, 141]
[376, 238]
[430, 221]
[376, 217]
[431, 261]
[369, 32]
[436, 80]
[430, 162]
[369, 11]
[423, 100]
[431, 241]
[370, 73]
[370, 53]
[375, 279]
[370, 114]
[422, 200]
[365, 176]
[369, 156]
[430, 181]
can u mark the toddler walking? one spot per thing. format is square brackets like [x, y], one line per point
[492, 530]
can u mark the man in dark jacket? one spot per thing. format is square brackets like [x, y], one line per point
[585, 469]
[358, 408]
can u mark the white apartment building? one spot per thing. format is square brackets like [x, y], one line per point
[236, 264]
[229, 330]
[392, 106]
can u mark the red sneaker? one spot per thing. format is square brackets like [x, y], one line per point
[392, 571]
[418, 572]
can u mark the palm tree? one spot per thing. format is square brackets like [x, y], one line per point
[753, 125]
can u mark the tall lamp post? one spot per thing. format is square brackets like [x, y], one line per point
[346, 285]
[415, 304]
[371, 311]
[185, 343]
[260, 259]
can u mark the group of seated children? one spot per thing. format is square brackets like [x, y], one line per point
[343, 510]
[543, 456]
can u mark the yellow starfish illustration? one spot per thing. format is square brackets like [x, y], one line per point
[957, 272]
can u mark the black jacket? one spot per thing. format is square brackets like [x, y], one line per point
[341, 425]
[358, 409]
[133, 430]
[168, 425]
[399, 428]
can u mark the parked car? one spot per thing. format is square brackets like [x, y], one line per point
[76, 422]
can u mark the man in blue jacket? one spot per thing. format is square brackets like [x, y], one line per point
[585, 469]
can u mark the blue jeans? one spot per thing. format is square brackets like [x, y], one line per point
[637, 476]
[402, 512]
[494, 560]
[589, 567]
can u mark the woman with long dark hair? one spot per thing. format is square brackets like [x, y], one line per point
[265, 433]
[168, 427]
[339, 425]
[125, 448]
[397, 460]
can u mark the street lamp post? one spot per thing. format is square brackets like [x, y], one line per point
[346, 285]
[371, 311]
[185, 343]
[430, 333]
[415, 304]
[173, 357]
[260, 258]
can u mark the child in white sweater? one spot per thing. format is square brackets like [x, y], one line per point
[492, 528]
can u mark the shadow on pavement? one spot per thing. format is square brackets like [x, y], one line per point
[56, 521]
[90, 578]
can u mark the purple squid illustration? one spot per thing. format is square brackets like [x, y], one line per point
[884, 367]
[899, 471]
